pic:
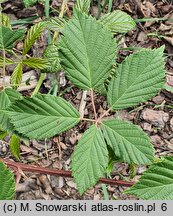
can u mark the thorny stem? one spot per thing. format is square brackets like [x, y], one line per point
[93, 104]
[63, 173]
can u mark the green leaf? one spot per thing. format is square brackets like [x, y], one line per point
[3, 134]
[87, 51]
[29, 3]
[56, 24]
[7, 61]
[128, 141]
[32, 35]
[15, 146]
[83, 5]
[35, 63]
[156, 183]
[7, 183]
[7, 97]
[90, 159]
[8, 37]
[16, 76]
[42, 116]
[118, 21]
[51, 54]
[168, 88]
[5, 20]
[139, 78]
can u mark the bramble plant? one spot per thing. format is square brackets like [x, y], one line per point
[86, 52]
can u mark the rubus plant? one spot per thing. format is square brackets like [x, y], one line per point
[86, 51]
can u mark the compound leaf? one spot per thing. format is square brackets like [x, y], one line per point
[15, 146]
[16, 76]
[90, 159]
[8, 37]
[83, 5]
[42, 116]
[7, 183]
[156, 183]
[51, 54]
[87, 51]
[138, 79]
[118, 21]
[128, 141]
[32, 35]
[35, 63]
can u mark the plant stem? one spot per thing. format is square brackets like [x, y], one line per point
[64, 173]
[4, 65]
[93, 104]
[104, 114]
[86, 119]
[40, 81]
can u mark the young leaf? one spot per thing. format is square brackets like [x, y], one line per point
[51, 54]
[56, 24]
[7, 61]
[156, 183]
[16, 76]
[7, 183]
[5, 20]
[128, 141]
[83, 5]
[15, 146]
[29, 3]
[90, 159]
[42, 116]
[138, 79]
[8, 37]
[118, 21]
[35, 63]
[3, 134]
[87, 51]
[32, 35]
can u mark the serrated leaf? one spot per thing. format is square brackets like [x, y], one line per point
[35, 63]
[29, 3]
[118, 21]
[42, 116]
[138, 79]
[7, 96]
[128, 141]
[51, 54]
[87, 51]
[7, 61]
[156, 183]
[83, 5]
[56, 24]
[8, 37]
[32, 35]
[7, 183]
[16, 76]
[15, 146]
[90, 159]
[5, 20]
